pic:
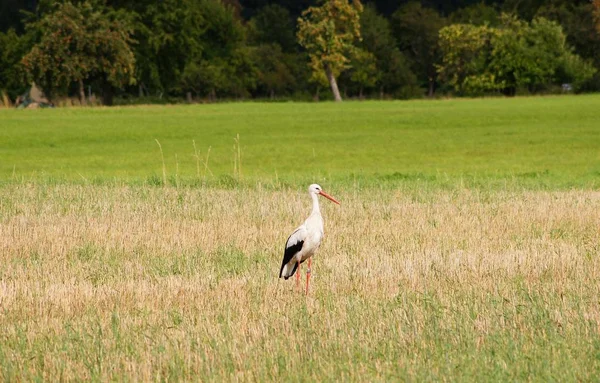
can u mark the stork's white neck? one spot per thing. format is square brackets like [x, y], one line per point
[315, 199]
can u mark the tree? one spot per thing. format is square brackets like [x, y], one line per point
[581, 27]
[205, 77]
[275, 53]
[12, 49]
[223, 32]
[393, 69]
[399, 78]
[169, 33]
[573, 69]
[517, 54]
[78, 42]
[328, 33]
[222, 62]
[273, 24]
[363, 70]
[273, 69]
[416, 29]
[466, 53]
[476, 14]
[526, 56]
[242, 73]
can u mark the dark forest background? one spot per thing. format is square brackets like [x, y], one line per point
[130, 51]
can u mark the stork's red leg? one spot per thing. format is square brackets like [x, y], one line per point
[308, 275]
[298, 276]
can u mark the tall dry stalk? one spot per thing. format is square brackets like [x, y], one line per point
[6, 102]
[197, 157]
[237, 157]
[206, 167]
[176, 171]
[205, 162]
[164, 167]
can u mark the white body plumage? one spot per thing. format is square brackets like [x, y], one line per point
[305, 240]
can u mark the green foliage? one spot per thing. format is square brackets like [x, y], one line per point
[275, 52]
[221, 49]
[223, 32]
[376, 34]
[273, 24]
[169, 33]
[517, 54]
[12, 48]
[393, 74]
[222, 64]
[274, 69]
[524, 55]
[466, 55]
[529, 55]
[205, 77]
[579, 25]
[416, 29]
[476, 14]
[363, 70]
[329, 33]
[188, 45]
[242, 76]
[78, 41]
[575, 70]
[399, 78]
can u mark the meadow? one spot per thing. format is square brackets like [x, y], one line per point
[466, 246]
[553, 140]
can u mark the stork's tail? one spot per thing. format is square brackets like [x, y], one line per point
[288, 270]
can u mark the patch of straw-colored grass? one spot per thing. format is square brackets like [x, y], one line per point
[141, 283]
[6, 102]
[75, 102]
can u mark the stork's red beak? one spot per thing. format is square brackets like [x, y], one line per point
[328, 197]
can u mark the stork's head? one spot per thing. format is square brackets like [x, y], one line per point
[316, 189]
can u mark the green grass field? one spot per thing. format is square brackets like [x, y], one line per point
[553, 140]
[466, 247]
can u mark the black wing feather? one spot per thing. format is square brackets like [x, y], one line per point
[289, 254]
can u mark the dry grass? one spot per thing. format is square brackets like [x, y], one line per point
[141, 283]
[75, 102]
[5, 100]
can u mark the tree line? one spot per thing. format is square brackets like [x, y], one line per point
[171, 50]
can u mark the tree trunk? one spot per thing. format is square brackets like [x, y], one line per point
[81, 92]
[360, 93]
[272, 94]
[107, 92]
[334, 88]
[140, 90]
[188, 97]
[431, 87]
[48, 91]
[381, 92]
[510, 91]
[316, 96]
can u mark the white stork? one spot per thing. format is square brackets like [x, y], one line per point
[305, 240]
